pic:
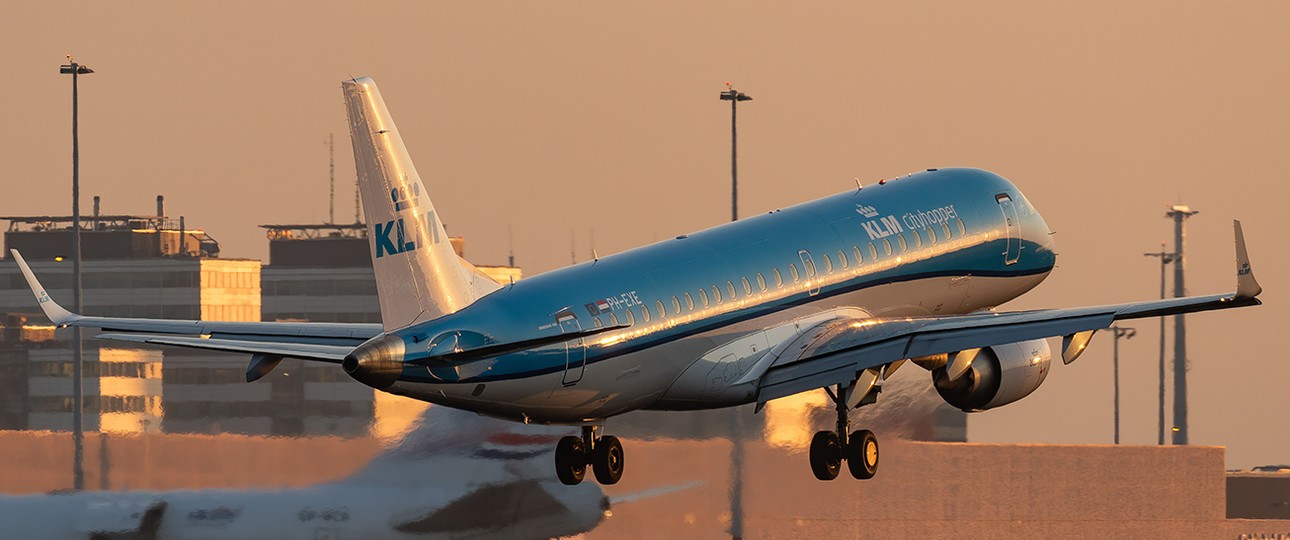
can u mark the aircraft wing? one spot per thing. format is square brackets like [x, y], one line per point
[843, 352]
[328, 342]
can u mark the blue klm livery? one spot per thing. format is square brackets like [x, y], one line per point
[834, 294]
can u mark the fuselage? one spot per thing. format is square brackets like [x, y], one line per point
[939, 242]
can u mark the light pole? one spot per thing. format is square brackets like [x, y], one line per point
[1126, 333]
[736, 428]
[1165, 259]
[1179, 213]
[78, 391]
[734, 97]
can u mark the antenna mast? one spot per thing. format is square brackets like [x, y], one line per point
[331, 169]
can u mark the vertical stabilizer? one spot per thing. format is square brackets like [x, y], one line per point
[418, 277]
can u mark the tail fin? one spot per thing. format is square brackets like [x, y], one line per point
[418, 277]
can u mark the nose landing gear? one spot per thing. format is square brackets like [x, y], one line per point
[859, 449]
[574, 454]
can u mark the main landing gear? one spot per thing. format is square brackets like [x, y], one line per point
[574, 454]
[859, 449]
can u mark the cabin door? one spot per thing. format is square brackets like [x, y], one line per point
[1013, 232]
[575, 350]
[808, 264]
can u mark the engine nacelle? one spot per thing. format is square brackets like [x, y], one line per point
[999, 375]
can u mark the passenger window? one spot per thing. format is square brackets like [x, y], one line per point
[631, 319]
[676, 305]
[945, 228]
[716, 293]
[918, 239]
[842, 259]
[613, 319]
[962, 228]
[931, 234]
[598, 323]
[689, 302]
[779, 278]
[747, 286]
[792, 270]
[658, 305]
[645, 313]
[730, 287]
[856, 250]
[873, 252]
[900, 238]
[828, 264]
[886, 246]
[761, 282]
[703, 295]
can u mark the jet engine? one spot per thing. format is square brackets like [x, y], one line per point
[377, 363]
[999, 375]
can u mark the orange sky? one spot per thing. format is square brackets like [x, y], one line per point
[556, 119]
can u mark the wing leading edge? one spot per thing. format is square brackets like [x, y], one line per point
[846, 351]
[326, 342]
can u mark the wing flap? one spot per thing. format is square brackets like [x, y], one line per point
[305, 351]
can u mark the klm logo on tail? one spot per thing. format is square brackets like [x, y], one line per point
[393, 237]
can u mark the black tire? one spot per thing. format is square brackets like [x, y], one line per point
[570, 460]
[862, 454]
[607, 461]
[826, 455]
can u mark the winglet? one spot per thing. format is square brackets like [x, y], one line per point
[1246, 285]
[55, 312]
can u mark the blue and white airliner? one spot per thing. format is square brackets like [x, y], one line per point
[836, 293]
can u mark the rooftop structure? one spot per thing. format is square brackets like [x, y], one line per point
[115, 236]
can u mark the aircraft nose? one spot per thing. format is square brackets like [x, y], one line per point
[377, 363]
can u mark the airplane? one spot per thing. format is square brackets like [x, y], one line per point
[836, 293]
[431, 484]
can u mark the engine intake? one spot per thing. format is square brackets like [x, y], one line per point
[998, 376]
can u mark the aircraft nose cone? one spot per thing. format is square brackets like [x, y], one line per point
[377, 362]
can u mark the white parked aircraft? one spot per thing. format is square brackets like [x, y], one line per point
[456, 475]
[835, 293]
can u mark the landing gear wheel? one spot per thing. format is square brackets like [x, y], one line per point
[826, 455]
[570, 460]
[607, 460]
[862, 454]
